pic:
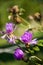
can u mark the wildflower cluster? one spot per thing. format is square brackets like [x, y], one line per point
[26, 52]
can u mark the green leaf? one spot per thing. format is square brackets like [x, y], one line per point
[31, 51]
[40, 43]
[36, 48]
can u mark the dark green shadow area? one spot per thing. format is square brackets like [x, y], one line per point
[8, 59]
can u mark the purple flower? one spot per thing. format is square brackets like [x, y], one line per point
[33, 42]
[12, 40]
[9, 28]
[18, 54]
[26, 37]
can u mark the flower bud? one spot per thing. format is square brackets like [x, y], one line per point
[18, 54]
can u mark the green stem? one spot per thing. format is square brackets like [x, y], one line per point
[35, 57]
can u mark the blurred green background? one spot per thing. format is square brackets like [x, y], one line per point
[31, 6]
